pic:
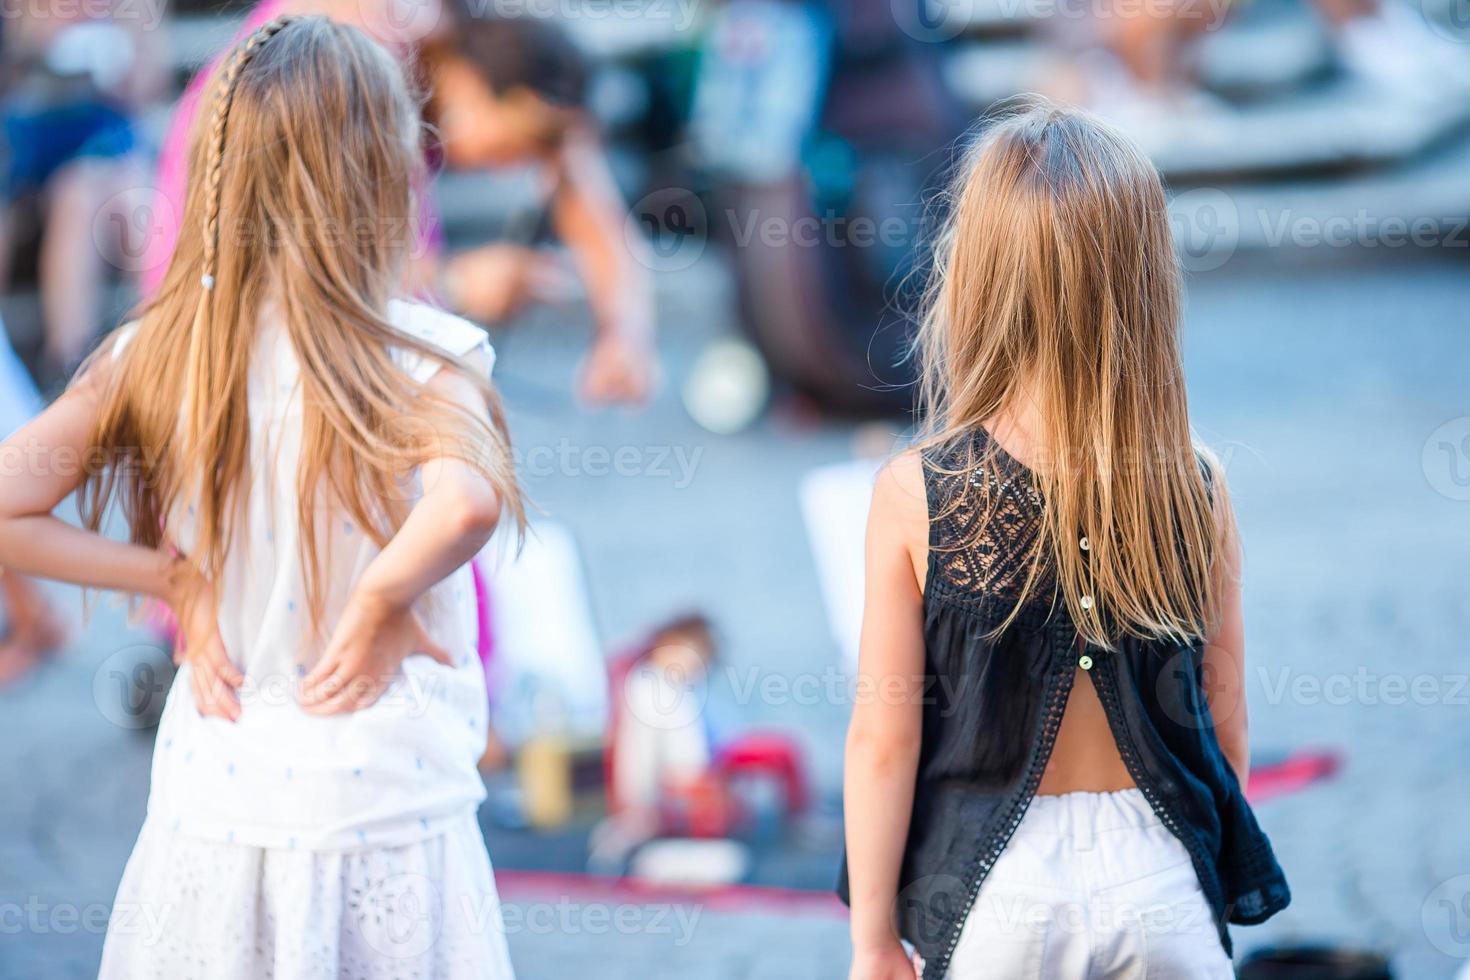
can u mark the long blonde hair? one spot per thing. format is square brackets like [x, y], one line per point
[1056, 279]
[300, 193]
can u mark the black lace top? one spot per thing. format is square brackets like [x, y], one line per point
[994, 704]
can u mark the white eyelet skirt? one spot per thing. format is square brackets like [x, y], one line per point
[205, 910]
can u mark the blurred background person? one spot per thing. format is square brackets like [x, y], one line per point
[512, 92]
[819, 130]
[507, 92]
[31, 629]
[660, 743]
[1140, 61]
[74, 77]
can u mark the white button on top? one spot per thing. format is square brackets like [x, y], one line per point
[1085, 662]
[1084, 544]
[1086, 602]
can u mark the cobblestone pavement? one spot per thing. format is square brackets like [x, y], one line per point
[1335, 383]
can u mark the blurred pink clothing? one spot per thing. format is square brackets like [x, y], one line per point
[173, 164]
[173, 155]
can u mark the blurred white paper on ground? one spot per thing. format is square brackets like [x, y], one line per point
[689, 863]
[834, 505]
[548, 669]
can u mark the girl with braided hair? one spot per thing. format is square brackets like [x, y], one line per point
[490, 282]
[305, 463]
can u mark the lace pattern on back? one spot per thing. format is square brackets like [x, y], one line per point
[985, 524]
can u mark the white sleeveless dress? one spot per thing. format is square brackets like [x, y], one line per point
[295, 847]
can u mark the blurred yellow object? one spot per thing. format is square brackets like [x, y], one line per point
[553, 770]
[544, 767]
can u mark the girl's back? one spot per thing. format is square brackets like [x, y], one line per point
[278, 776]
[1084, 757]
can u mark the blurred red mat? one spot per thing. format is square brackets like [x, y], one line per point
[1291, 774]
[517, 886]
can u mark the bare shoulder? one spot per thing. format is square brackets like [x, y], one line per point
[900, 512]
[900, 485]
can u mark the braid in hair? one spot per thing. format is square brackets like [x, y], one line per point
[203, 417]
[224, 98]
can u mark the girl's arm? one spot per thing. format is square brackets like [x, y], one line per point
[40, 466]
[1224, 663]
[883, 739]
[448, 526]
[589, 216]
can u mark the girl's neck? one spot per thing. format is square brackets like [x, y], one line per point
[1019, 427]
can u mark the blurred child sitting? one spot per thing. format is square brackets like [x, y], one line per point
[661, 740]
[668, 771]
[513, 92]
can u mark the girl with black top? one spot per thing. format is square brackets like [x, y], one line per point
[1046, 779]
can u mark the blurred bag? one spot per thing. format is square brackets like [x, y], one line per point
[1313, 963]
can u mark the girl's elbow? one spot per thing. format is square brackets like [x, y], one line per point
[882, 748]
[10, 539]
[476, 514]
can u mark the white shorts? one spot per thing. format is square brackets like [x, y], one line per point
[1091, 885]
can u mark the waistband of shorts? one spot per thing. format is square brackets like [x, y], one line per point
[1066, 814]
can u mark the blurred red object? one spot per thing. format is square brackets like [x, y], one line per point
[767, 754]
[699, 807]
[1295, 772]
